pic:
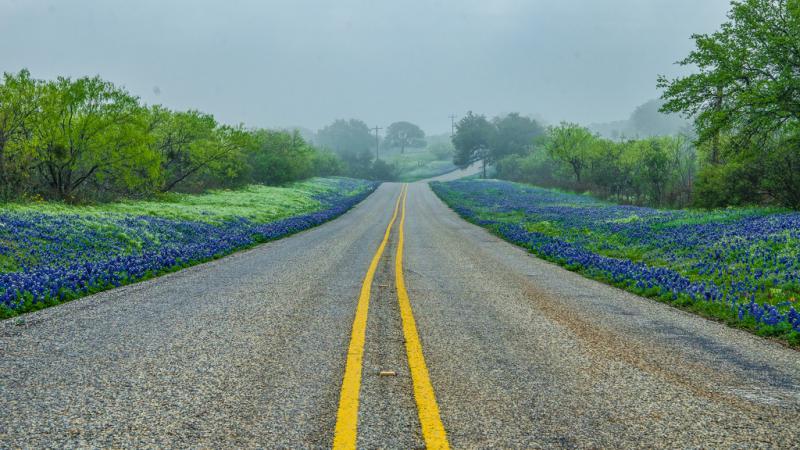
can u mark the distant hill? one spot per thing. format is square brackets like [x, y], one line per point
[645, 121]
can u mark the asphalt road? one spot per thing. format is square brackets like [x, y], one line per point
[250, 351]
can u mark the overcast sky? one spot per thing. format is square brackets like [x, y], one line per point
[307, 62]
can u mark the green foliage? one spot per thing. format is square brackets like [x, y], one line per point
[192, 146]
[87, 139]
[571, 144]
[348, 138]
[732, 184]
[18, 99]
[277, 157]
[352, 142]
[515, 135]
[745, 99]
[473, 141]
[382, 171]
[404, 134]
[254, 202]
[89, 132]
[412, 166]
[478, 139]
[656, 171]
[442, 150]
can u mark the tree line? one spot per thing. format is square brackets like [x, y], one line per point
[744, 148]
[357, 145]
[655, 171]
[87, 139]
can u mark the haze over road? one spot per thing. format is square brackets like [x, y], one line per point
[250, 351]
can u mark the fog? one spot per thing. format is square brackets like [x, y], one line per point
[306, 63]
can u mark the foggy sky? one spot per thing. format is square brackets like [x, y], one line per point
[307, 62]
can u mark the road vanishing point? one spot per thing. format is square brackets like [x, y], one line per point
[397, 325]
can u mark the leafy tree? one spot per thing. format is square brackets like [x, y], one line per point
[192, 145]
[280, 156]
[473, 140]
[352, 141]
[327, 163]
[404, 134]
[88, 130]
[346, 137]
[747, 84]
[382, 171]
[515, 135]
[745, 98]
[609, 169]
[88, 139]
[571, 144]
[19, 101]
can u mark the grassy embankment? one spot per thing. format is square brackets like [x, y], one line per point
[54, 252]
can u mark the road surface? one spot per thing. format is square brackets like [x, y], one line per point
[508, 351]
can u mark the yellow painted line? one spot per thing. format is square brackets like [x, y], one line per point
[432, 428]
[346, 433]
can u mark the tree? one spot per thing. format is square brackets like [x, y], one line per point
[404, 134]
[747, 83]
[192, 145]
[19, 101]
[352, 141]
[745, 98]
[472, 141]
[515, 135]
[571, 143]
[88, 130]
[280, 156]
[647, 120]
[346, 137]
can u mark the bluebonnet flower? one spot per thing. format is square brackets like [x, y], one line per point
[745, 259]
[56, 257]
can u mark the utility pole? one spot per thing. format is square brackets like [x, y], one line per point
[377, 142]
[452, 125]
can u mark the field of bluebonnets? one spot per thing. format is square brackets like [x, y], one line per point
[738, 265]
[51, 252]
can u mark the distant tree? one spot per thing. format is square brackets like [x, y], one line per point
[515, 135]
[382, 171]
[442, 150]
[571, 143]
[346, 137]
[352, 141]
[404, 134]
[647, 120]
[473, 141]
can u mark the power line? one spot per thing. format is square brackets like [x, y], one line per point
[377, 142]
[452, 125]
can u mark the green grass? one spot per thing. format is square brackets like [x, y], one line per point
[416, 165]
[62, 237]
[257, 203]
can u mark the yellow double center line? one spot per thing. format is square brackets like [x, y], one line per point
[346, 433]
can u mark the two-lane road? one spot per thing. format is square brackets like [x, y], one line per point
[251, 351]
